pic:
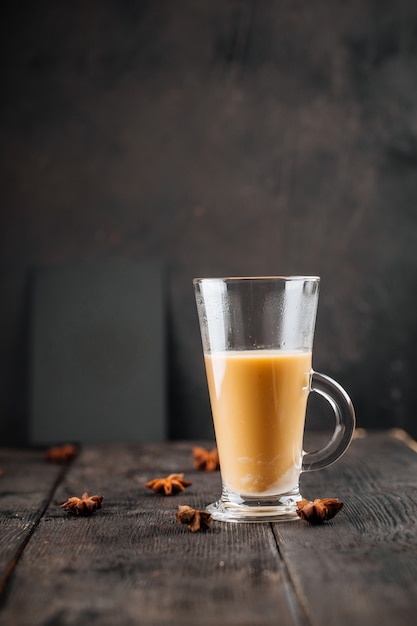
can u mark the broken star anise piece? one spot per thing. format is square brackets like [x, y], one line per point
[206, 460]
[61, 454]
[170, 485]
[194, 518]
[86, 505]
[318, 511]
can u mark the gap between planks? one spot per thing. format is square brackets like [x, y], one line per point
[402, 435]
[4, 580]
[297, 603]
[395, 433]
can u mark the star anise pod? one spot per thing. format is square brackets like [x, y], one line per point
[194, 518]
[86, 505]
[318, 511]
[207, 460]
[61, 454]
[170, 485]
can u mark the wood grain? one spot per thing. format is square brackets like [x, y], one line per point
[26, 485]
[132, 563]
[361, 567]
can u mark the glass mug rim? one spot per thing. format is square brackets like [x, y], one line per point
[278, 278]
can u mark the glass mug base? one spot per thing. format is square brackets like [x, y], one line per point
[234, 508]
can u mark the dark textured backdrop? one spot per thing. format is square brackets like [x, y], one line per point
[228, 137]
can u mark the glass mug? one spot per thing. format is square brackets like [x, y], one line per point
[257, 335]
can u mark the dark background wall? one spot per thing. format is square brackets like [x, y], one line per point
[230, 137]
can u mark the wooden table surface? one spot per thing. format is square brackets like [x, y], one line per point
[133, 563]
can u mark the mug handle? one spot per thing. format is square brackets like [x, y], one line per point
[344, 414]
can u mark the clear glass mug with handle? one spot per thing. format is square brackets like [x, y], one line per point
[257, 335]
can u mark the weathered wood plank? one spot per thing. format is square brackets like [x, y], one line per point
[132, 563]
[26, 485]
[361, 567]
